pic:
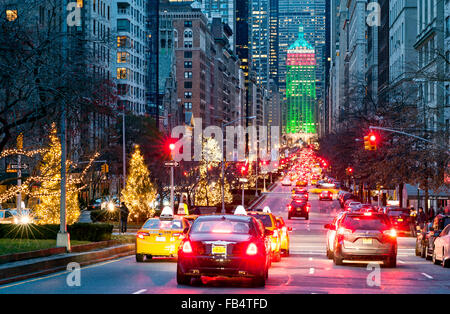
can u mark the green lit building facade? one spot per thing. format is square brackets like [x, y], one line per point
[301, 104]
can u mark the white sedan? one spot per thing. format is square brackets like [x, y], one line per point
[441, 252]
[286, 181]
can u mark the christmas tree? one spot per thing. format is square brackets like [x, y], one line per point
[49, 192]
[139, 194]
[209, 191]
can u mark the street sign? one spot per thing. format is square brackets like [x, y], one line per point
[172, 163]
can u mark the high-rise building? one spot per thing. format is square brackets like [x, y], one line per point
[226, 11]
[311, 15]
[131, 67]
[301, 87]
[260, 41]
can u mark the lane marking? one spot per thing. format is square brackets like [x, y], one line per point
[311, 271]
[426, 275]
[62, 273]
[140, 291]
[401, 262]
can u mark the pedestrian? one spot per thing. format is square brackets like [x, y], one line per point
[124, 212]
[421, 218]
[431, 214]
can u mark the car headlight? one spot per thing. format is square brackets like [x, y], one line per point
[25, 220]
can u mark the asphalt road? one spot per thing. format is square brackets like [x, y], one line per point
[307, 270]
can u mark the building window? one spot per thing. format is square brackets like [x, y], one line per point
[188, 54]
[122, 42]
[123, 57]
[11, 15]
[122, 73]
[123, 25]
[188, 44]
[187, 23]
[187, 95]
[188, 105]
[188, 33]
[187, 84]
[188, 64]
[187, 75]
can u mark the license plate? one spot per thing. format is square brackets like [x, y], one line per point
[400, 220]
[367, 241]
[219, 249]
[160, 239]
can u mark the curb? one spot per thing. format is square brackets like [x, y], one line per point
[58, 263]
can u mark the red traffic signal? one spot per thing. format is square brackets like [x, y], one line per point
[349, 171]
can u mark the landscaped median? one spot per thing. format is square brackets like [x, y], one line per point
[32, 254]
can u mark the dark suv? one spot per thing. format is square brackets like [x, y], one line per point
[365, 236]
[299, 208]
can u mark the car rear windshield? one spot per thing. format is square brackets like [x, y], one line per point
[220, 226]
[266, 220]
[366, 222]
[163, 224]
[398, 212]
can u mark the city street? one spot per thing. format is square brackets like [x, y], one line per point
[306, 271]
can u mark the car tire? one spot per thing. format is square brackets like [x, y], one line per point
[289, 217]
[330, 254]
[446, 263]
[148, 257]
[418, 253]
[182, 279]
[139, 258]
[434, 259]
[428, 257]
[307, 217]
[277, 257]
[337, 260]
[422, 252]
[391, 262]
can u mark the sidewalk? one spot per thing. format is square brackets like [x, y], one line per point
[21, 270]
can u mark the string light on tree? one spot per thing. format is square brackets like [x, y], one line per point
[140, 193]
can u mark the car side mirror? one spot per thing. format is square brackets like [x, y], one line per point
[268, 232]
[289, 228]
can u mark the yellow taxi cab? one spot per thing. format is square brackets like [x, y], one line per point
[284, 235]
[161, 236]
[270, 223]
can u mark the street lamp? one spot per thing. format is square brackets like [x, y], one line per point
[223, 157]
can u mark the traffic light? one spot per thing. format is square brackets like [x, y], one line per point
[370, 141]
[349, 171]
[105, 168]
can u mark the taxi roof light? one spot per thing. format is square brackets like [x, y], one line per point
[240, 210]
[267, 210]
[166, 213]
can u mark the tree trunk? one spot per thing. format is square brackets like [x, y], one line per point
[400, 194]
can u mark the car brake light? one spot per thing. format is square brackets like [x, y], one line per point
[141, 235]
[252, 249]
[290, 207]
[391, 232]
[187, 248]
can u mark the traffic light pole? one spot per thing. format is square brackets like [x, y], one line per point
[407, 134]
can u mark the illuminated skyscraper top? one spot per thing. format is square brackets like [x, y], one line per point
[301, 104]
